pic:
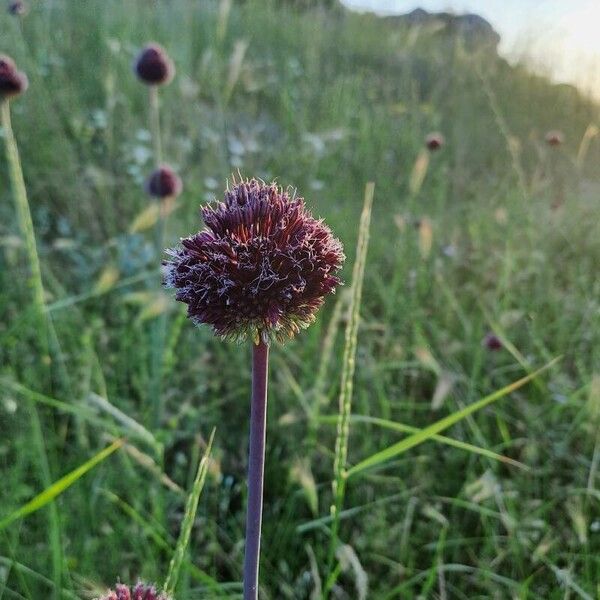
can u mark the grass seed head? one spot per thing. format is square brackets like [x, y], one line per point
[12, 81]
[164, 183]
[153, 65]
[260, 269]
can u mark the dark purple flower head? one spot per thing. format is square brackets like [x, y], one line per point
[140, 592]
[434, 141]
[260, 269]
[153, 65]
[492, 342]
[554, 138]
[12, 81]
[164, 183]
[17, 8]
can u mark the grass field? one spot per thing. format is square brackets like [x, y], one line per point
[495, 232]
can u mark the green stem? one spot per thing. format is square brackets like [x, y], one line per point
[24, 218]
[37, 289]
[155, 124]
[159, 330]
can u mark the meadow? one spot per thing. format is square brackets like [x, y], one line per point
[495, 233]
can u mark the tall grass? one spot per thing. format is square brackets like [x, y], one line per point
[327, 101]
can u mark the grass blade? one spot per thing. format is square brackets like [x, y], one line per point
[188, 521]
[428, 432]
[125, 420]
[401, 427]
[54, 529]
[78, 410]
[59, 486]
[11, 563]
[96, 293]
[162, 539]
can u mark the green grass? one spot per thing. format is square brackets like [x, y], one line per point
[326, 102]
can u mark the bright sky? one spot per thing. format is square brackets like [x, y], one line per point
[560, 37]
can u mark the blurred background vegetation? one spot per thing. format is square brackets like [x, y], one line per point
[495, 232]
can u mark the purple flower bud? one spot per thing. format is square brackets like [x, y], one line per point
[260, 269]
[141, 591]
[492, 342]
[17, 8]
[12, 81]
[554, 138]
[434, 141]
[164, 183]
[153, 65]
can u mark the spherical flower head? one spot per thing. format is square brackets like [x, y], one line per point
[17, 8]
[12, 81]
[554, 138]
[141, 591]
[153, 65]
[492, 342]
[434, 141]
[260, 269]
[164, 183]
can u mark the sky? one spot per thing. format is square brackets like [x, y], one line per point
[560, 38]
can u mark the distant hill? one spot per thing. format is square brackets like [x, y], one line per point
[476, 32]
[474, 29]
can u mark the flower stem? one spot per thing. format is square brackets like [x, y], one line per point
[43, 323]
[160, 326]
[25, 221]
[256, 468]
[155, 124]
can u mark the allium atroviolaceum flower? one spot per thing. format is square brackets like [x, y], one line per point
[164, 183]
[12, 81]
[17, 8]
[153, 65]
[554, 138]
[262, 267]
[140, 592]
[492, 342]
[434, 141]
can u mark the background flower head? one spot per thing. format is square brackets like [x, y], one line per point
[554, 138]
[17, 8]
[153, 65]
[434, 141]
[12, 81]
[164, 183]
[492, 342]
[260, 269]
[141, 591]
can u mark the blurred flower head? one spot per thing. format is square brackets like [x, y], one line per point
[434, 141]
[260, 269]
[17, 8]
[164, 183]
[492, 342]
[554, 138]
[12, 81]
[153, 65]
[140, 592]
